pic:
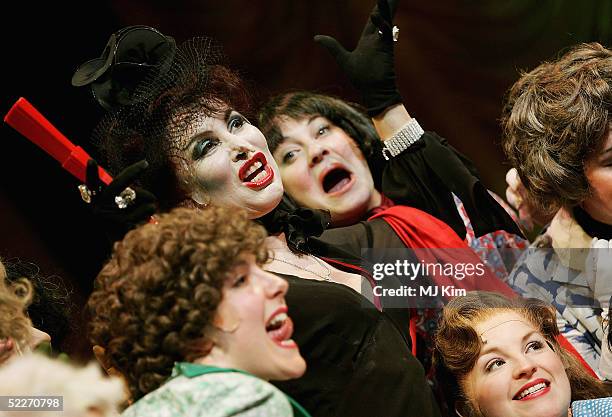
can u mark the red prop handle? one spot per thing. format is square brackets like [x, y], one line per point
[28, 121]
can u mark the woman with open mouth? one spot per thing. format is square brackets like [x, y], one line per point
[188, 317]
[333, 157]
[186, 119]
[384, 180]
[501, 358]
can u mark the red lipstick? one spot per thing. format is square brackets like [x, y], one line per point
[247, 175]
[280, 332]
[543, 389]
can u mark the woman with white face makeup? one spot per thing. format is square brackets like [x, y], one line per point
[500, 358]
[186, 121]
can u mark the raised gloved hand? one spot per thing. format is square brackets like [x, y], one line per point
[119, 205]
[370, 66]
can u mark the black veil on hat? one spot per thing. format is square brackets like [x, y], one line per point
[129, 55]
[154, 106]
[163, 102]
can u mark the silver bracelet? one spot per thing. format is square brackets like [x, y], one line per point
[399, 142]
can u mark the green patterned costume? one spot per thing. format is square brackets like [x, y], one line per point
[197, 390]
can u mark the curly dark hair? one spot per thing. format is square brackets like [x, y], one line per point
[168, 104]
[154, 299]
[350, 117]
[458, 345]
[555, 117]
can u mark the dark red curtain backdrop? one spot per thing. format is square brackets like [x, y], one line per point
[455, 60]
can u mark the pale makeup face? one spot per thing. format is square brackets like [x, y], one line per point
[253, 328]
[225, 160]
[322, 167]
[598, 170]
[517, 373]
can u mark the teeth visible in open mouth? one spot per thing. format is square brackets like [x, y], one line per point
[260, 176]
[255, 173]
[253, 168]
[276, 322]
[531, 390]
[288, 342]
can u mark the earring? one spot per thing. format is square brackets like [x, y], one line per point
[201, 198]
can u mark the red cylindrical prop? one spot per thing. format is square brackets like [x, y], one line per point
[28, 121]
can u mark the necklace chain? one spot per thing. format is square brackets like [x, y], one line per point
[326, 277]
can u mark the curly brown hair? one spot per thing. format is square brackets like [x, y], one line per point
[554, 119]
[14, 299]
[156, 296]
[458, 345]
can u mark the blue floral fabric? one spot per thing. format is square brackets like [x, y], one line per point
[539, 273]
[600, 407]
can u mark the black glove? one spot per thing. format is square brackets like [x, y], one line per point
[370, 66]
[118, 221]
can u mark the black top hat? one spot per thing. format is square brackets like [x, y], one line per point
[126, 60]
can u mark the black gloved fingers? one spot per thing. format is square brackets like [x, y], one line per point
[121, 218]
[386, 9]
[109, 206]
[141, 214]
[126, 177]
[370, 28]
[383, 26]
[92, 176]
[143, 195]
[382, 17]
[392, 5]
[333, 46]
[382, 10]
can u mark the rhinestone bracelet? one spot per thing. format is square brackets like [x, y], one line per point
[399, 142]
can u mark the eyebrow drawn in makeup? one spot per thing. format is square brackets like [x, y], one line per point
[226, 115]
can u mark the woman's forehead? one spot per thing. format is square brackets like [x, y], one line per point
[184, 126]
[503, 325]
